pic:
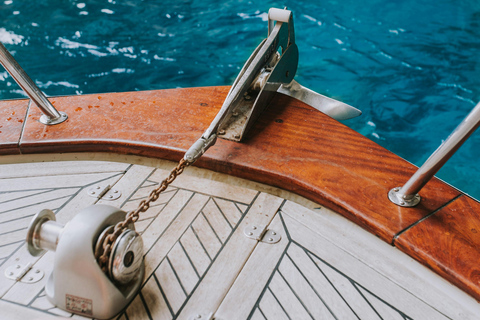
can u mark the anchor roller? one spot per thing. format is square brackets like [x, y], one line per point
[269, 71]
[77, 284]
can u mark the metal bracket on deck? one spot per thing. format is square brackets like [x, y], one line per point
[260, 233]
[104, 192]
[24, 273]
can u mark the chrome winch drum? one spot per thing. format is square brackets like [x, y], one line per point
[77, 284]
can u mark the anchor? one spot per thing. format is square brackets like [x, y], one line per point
[269, 70]
[83, 283]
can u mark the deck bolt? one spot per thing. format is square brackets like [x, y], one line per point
[10, 274]
[92, 192]
[274, 233]
[247, 97]
[250, 233]
[30, 279]
[115, 191]
[235, 114]
[254, 228]
[18, 266]
[402, 203]
[396, 189]
[237, 136]
[110, 196]
[37, 271]
[221, 132]
[270, 239]
[98, 187]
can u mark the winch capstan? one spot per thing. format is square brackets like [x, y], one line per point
[98, 266]
[77, 284]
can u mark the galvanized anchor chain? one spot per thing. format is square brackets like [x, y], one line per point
[103, 256]
[106, 241]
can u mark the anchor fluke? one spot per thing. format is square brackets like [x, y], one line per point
[331, 107]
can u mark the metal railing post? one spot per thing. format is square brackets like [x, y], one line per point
[407, 196]
[50, 114]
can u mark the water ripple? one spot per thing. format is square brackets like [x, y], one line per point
[9, 37]
[60, 83]
[69, 44]
[257, 15]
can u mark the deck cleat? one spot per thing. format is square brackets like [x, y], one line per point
[77, 284]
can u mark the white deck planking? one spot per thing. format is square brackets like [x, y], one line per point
[198, 261]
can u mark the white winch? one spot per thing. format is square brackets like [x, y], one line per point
[77, 284]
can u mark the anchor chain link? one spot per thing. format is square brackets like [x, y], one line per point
[132, 216]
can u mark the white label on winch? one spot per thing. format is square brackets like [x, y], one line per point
[78, 304]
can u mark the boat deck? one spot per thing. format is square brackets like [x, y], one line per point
[291, 146]
[199, 263]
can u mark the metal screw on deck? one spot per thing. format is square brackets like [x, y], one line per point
[407, 196]
[50, 115]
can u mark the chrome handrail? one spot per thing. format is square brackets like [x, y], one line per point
[407, 196]
[50, 114]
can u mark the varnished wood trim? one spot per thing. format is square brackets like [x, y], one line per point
[12, 118]
[292, 146]
[448, 242]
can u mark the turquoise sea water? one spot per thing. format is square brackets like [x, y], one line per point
[412, 67]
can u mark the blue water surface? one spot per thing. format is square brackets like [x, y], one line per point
[411, 66]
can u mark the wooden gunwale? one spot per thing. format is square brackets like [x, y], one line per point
[292, 146]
